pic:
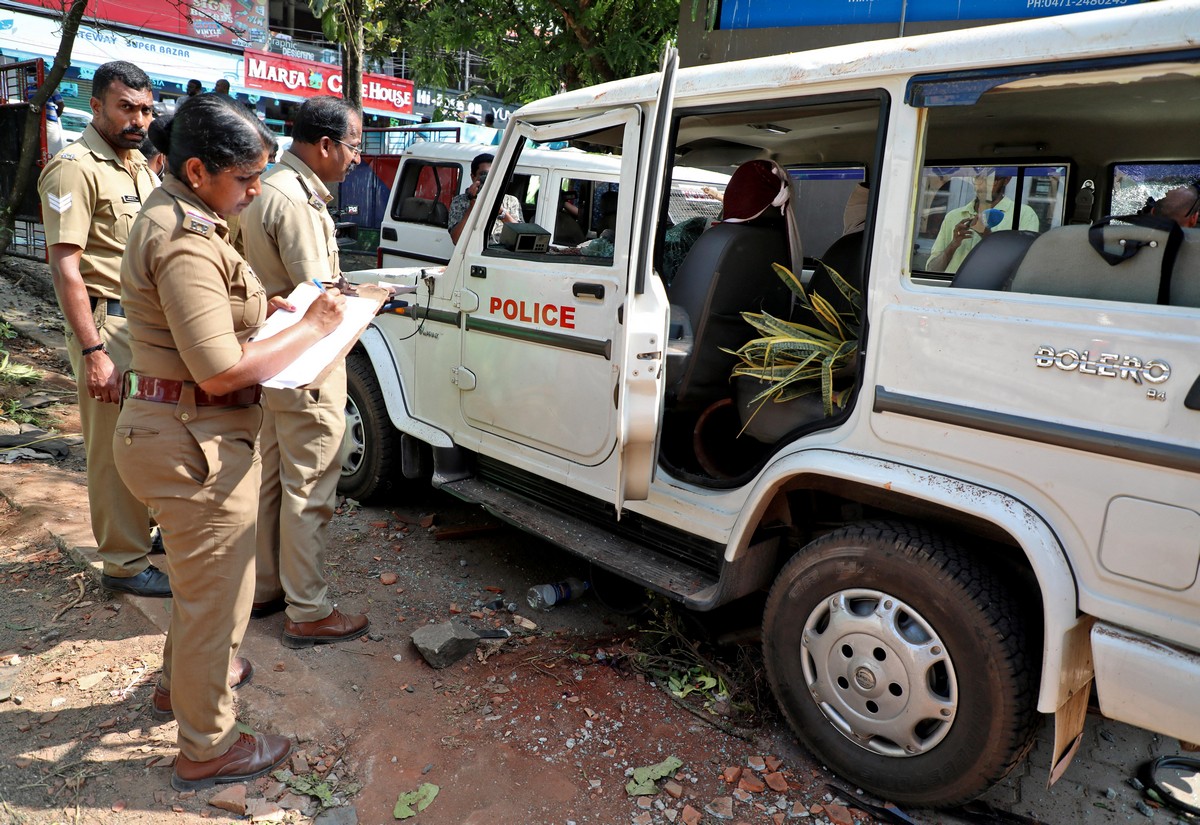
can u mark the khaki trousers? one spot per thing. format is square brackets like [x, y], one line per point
[120, 523]
[197, 470]
[300, 445]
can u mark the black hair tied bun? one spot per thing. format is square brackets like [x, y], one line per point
[159, 132]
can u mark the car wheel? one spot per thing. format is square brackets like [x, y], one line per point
[371, 443]
[902, 663]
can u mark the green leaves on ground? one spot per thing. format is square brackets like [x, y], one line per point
[412, 803]
[313, 786]
[17, 373]
[642, 783]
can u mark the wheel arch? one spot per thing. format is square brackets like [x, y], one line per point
[391, 385]
[913, 494]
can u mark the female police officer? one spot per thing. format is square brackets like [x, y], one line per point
[185, 438]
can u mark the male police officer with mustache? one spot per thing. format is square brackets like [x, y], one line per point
[91, 191]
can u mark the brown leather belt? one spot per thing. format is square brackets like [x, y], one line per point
[111, 307]
[168, 391]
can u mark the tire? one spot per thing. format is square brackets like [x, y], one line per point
[371, 445]
[902, 663]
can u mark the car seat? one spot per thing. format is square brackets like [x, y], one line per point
[993, 261]
[726, 272]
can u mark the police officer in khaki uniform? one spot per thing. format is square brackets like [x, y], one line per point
[91, 192]
[184, 441]
[287, 235]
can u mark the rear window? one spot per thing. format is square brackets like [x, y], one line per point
[1135, 184]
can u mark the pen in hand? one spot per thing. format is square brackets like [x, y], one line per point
[320, 286]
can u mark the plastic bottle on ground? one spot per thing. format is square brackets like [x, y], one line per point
[546, 596]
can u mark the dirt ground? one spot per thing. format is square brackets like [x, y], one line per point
[545, 726]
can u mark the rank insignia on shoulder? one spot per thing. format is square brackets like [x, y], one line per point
[195, 222]
[66, 156]
[316, 203]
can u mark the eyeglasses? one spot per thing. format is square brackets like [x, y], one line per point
[355, 148]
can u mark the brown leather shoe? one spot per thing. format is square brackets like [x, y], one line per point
[240, 671]
[250, 757]
[336, 627]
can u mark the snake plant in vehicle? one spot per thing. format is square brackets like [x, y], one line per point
[793, 359]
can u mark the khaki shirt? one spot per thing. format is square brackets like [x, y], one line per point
[190, 299]
[287, 232]
[89, 199]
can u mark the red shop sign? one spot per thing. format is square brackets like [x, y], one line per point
[308, 78]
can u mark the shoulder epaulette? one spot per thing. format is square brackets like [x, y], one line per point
[200, 224]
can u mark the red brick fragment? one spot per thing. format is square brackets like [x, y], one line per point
[750, 782]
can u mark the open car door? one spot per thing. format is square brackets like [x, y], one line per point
[642, 387]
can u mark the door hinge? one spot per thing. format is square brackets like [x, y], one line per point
[462, 378]
[465, 299]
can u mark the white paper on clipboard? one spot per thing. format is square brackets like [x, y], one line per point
[310, 363]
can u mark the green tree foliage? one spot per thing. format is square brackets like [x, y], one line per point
[533, 48]
[359, 26]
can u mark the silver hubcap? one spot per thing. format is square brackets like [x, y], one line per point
[879, 673]
[354, 440]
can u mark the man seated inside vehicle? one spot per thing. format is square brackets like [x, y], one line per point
[963, 228]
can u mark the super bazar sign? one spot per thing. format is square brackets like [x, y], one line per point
[308, 78]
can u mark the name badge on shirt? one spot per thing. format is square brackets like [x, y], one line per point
[130, 199]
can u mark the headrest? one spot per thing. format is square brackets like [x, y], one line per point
[755, 187]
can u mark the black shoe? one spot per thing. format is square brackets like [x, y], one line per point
[151, 583]
[156, 542]
[260, 610]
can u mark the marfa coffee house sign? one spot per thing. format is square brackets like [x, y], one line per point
[291, 76]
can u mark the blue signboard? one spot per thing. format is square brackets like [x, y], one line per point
[765, 14]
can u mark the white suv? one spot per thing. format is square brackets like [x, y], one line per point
[994, 500]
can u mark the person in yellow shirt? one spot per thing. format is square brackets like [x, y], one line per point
[963, 228]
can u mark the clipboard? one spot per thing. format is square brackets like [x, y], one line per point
[310, 367]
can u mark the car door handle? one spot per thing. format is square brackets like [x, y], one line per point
[591, 290]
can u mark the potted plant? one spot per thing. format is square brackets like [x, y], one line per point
[791, 362]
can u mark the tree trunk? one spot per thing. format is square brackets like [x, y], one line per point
[27, 163]
[352, 54]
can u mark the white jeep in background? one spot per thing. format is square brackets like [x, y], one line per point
[415, 228]
[1002, 512]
